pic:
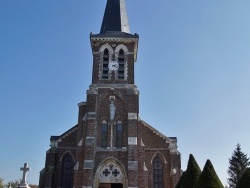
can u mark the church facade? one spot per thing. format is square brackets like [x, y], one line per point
[111, 147]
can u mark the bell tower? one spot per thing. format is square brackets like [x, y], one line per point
[114, 49]
[109, 118]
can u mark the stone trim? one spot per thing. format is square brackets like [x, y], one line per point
[160, 155]
[119, 47]
[90, 141]
[168, 140]
[76, 167]
[92, 91]
[91, 115]
[84, 117]
[174, 171]
[65, 153]
[175, 151]
[132, 141]
[142, 144]
[110, 164]
[115, 85]
[132, 165]
[113, 39]
[81, 104]
[173, 146]
[88, 164]
[103, 47]
[145, 167]
[54, 142]
[80, 142]
[132, 116]
[133, 91]
[111, 149]
[111, 170]
[155, 149]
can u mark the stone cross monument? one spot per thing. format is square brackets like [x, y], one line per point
[23, 183]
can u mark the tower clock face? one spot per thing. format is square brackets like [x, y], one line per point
[113, 65]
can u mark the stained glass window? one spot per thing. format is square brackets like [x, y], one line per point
[158, 172]
[119, 134]
[67, 172]
[104, 135]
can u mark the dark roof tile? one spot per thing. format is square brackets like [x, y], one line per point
[115, 17]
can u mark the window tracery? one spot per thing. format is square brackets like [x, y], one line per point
[67, 172]
[111, 170]
[158, 172]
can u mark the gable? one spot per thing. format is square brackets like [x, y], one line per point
[155, 139]
[54, 140]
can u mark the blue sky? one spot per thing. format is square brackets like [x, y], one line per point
[193, 73]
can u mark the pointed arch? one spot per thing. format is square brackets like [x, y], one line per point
[160, 155]
[106, 46]
[121, 62]
[110, 170]
[119, 47]
[119, 134]
[104, 134]
[106, 52]
[120, 53]
[158, 172]
[105, 63]
[67, 171]
[68, 152]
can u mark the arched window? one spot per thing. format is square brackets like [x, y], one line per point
[67, 172]
[105, 63]
[119, 134]
[121, 61]
[104, 134]
[158, 172]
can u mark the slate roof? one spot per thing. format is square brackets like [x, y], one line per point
[115, 17]
[114, 34]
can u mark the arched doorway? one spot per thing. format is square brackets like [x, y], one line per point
[110, 185]
[110, 174]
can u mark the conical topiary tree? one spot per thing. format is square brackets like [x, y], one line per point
[180, 182]
[244, 180]
[192, 173]
[208, 177]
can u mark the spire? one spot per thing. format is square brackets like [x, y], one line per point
[115, 17]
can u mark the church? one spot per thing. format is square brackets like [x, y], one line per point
[111, 147]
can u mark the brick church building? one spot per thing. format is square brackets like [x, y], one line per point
[111, 147]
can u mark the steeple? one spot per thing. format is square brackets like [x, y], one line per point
[115, 17]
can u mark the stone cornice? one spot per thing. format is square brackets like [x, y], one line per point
[121, 38]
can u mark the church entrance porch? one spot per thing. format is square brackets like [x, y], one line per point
[110, 174]
[110, 185]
